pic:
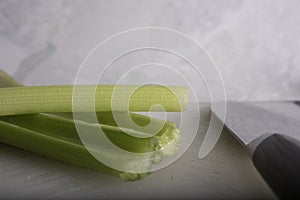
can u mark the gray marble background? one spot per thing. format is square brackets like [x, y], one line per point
[254, 43]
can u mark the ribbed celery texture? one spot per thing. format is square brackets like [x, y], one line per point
[37, 99]
[55, 135]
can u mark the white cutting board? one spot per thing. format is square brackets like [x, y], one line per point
[227, 172]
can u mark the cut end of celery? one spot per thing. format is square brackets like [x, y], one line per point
[166, 144]
[169, 143]
[126, 176]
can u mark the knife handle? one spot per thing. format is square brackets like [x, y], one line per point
[277, 158]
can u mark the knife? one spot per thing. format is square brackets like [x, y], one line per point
[272, 140]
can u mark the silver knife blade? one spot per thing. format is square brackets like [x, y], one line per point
[249, 121]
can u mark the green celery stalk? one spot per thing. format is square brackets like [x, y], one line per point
[57, 148]
[60, 141]
[64, 128]
[56, 137]
[37, 99]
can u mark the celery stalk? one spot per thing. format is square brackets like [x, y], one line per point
[60, 141]
[54, 148]
[56, 137]
[37, 99]
[64, 128]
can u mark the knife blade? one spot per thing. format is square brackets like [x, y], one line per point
[271, 137]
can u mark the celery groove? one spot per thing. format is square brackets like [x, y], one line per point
[56, 136]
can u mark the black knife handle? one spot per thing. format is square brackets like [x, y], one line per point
[277, 158]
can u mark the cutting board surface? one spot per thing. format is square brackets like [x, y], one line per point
[227, 172]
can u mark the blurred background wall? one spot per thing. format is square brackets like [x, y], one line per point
[254, 43]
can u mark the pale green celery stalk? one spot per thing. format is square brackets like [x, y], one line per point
[167, 139]
[60, 127]
[56, 137]
[64, 128]
[55, 148]
[37, 99]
